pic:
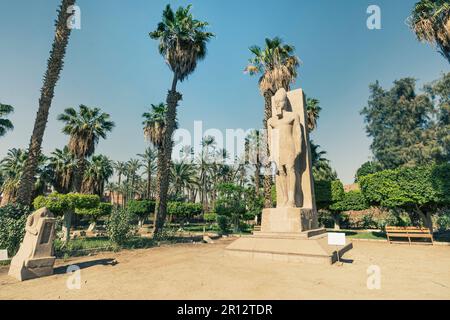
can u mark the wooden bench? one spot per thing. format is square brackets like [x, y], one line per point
[408, 232]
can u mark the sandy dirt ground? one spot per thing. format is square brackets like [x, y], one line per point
[204, 271]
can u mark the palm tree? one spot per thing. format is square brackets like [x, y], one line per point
[155, 123]
[277, 65]
[54, 66]
[312, 113]
[5, 124]
[320, 165]
[97, 174]
[430, 20]
[85, 129]
[120, 168]
[148, 159]
[133, 165]
[63, 165]
[253, 146]
[12, 169]
[182, 42]
[183, 177]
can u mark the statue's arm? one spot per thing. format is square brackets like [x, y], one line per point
[298, 134]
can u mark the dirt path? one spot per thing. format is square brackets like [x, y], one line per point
[203, 271]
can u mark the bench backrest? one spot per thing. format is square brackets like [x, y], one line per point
[407, 230]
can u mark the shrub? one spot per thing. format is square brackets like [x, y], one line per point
[12, 227]
[367, 168]
[223, 222]
[420, 190]
[352, 200]
[101, 210]
[210, 217]
[184, 210]
[118, 226]
[328, 192]
[443, 221]
[141, 208]
[325, 219]
[57, 203]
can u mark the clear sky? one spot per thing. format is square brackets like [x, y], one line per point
[113, 64]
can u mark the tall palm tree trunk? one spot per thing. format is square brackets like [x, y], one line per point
[149, 183]
[267, 176]
[54, 66]
[79, 175]
[173, 97]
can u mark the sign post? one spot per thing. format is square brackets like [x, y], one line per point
[336, 239]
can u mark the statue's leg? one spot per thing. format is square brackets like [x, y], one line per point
[291, 182]
[283, 186]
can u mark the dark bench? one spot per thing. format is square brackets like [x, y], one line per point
[408, 232]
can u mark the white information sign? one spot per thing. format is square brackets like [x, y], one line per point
[336, 239]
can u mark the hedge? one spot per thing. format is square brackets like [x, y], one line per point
[352, 200]
[184, 210]
[424, 186]
[328, 192]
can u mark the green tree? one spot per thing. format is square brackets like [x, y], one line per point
[430, 20]
[320, 165]
[439, 93]
[398, 120]
[5, 124]
[421, 190]
[312, 112]
[98, 171]
[148, 161]
[183, 177]
[54, 66]
[277, 66]
[182, 43]
[63, 165]
[85, 128]
[367, 168]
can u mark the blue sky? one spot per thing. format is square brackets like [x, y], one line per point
[113, 64]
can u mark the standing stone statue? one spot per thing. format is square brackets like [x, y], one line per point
[290, 232]
[284, 138]
[35, 256]
[289, 149]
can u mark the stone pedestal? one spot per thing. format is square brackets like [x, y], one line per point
[290, 235]
[290, 220]
[35, 256]
[309, 246]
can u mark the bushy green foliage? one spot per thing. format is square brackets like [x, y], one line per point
[424, 186]
[58, 203]
[328, 192]
[83, 201]
[12, 227]
[367, 168]
[210, 217]
[101, 210]
[184, 210]
[141, 208]
[230, 204]
[352, 200]
[119, 226]
[55, 202]
[443, 221]
[223, 222]
[400, 120]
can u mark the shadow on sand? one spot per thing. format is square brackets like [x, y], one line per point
[86, 264]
